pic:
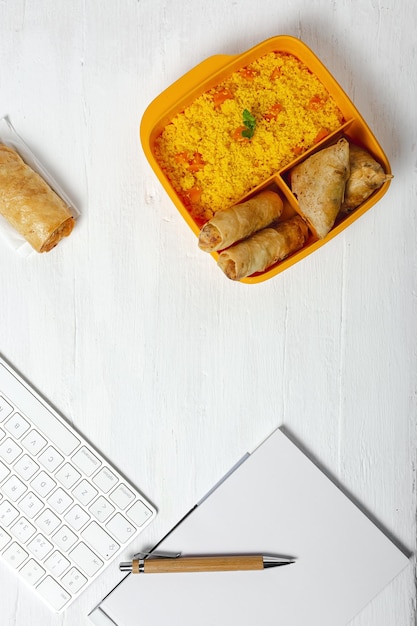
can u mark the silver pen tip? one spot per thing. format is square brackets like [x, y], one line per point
[125, 567]
[276, 561]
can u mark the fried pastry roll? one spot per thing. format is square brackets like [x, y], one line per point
[366, 175]
[30, 205]
[263, 249]
[240, 221]
[319, 185]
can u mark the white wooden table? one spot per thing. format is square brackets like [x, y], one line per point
[171, 370]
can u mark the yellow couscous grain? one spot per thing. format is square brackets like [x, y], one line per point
[203, 153]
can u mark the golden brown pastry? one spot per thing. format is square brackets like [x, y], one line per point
[366, 175]
[263, 249]
[319, 185]
[240, 221]
[29, 204]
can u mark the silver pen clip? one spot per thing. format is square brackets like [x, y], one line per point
[139, 560]
[157, 555]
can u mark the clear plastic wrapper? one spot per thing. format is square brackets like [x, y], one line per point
[10, 138]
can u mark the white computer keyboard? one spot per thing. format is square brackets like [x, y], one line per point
[65, 512]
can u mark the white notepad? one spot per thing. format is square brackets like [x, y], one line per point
[276, 502]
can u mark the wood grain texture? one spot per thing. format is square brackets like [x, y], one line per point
[136, 336]
[200, 564]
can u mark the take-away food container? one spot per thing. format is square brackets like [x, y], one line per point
[210, 73]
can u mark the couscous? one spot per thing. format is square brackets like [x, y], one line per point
[238, 134]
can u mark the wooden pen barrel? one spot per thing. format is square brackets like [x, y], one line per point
[200, 564]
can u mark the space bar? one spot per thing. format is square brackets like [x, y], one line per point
[37, 412]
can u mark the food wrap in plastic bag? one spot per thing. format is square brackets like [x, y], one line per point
[15, 239]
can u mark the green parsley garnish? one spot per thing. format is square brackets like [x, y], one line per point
[250, 123]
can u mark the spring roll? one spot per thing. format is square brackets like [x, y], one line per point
[366, 175]
[30, 205]
[240, 221]
[319, 185]
[263, 249]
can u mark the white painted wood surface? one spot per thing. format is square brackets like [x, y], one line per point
[134, 334]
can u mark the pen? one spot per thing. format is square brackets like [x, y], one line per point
[178, 564]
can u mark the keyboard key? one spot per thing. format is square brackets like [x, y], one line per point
[2, 434]
[86, 560]
[39, 546]
[17, 425]
[122, 496]
[43, 484]
[64, 538]
[32, 572]
[60, 500]
[26, 467]
[50, 459]
[121, 528]
[67, 475]
[57, 563]
[5, 409]
[139, 513]
[77, 517]
[34, 442]
[31, 505]
[53, 593]
[23, 530]
[15, 555]
[4, 538]
[86, 461]
[105, 480]
[100, 541]
[48, 521]
[4, 471]
[7, 513]
[41, 417]
[9, 450]
[73, 580]
[84, 492]
[101, 509]
[13, 488]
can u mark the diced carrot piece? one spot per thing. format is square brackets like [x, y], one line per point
[298, 150]
[323, 132]
[194, 195]
[237, 134]
[276, 73]
[315, 103]
[196, 163]
[221, 96]
[273, 112]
